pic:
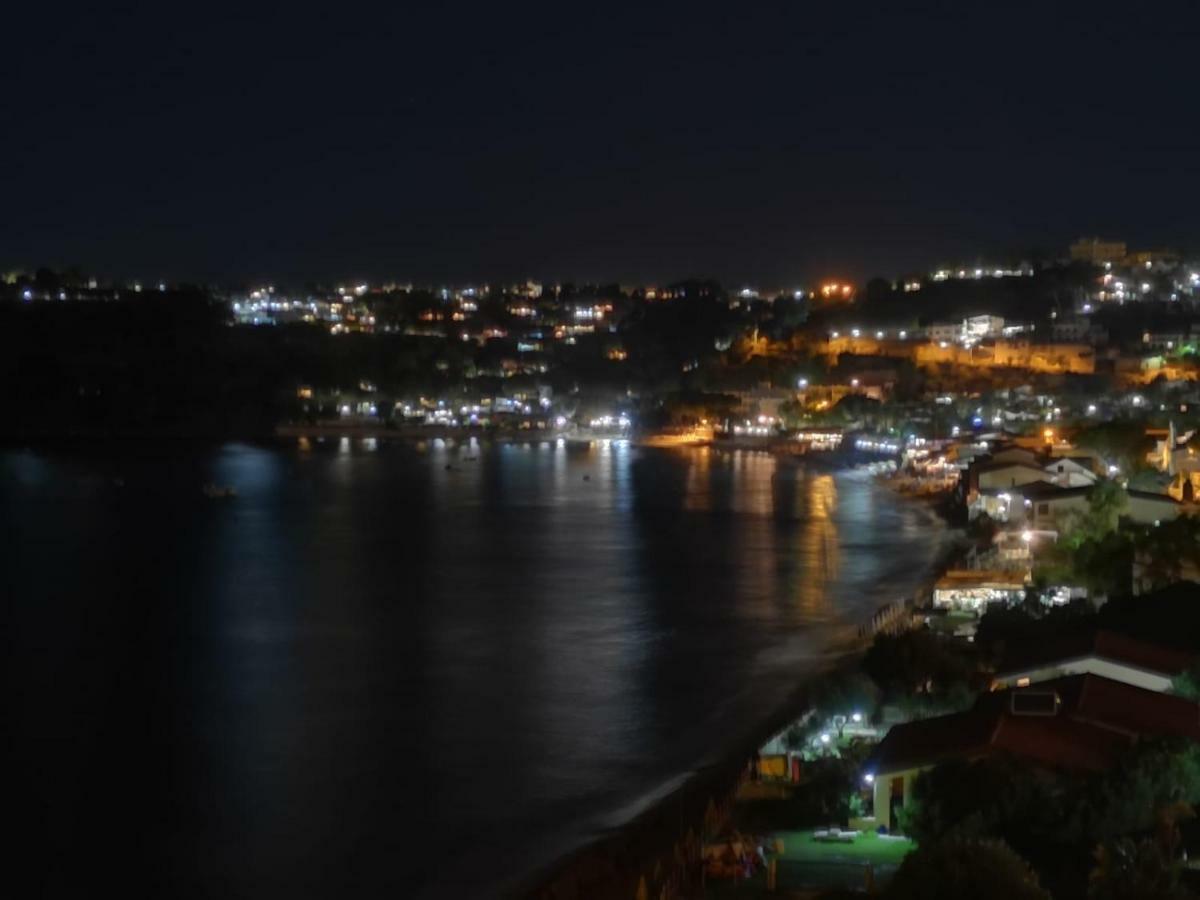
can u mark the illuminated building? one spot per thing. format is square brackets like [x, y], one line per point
[1095, 250]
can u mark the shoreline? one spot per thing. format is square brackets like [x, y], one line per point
[398, 434]
[612, 863]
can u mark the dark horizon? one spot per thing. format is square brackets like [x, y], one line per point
[772, 147]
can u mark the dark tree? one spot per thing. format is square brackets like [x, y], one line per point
[1135, 870]
[976, 869]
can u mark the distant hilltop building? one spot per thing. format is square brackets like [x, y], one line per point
[1153, 258]
[1100, 252]
[1095, 250]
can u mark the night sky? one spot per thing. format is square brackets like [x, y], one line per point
[767, 143]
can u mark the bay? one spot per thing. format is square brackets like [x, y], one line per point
[391, 669]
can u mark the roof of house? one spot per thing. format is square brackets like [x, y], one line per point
[1081, 462]
[1047, 491]
[930, 741]
[1001, 465]
[1012, 450]
[1111, 704]
[1056, 741]
[1090, 721]
[1149, 481]
[1081, 455]
[1153, 496]
[1109, 645]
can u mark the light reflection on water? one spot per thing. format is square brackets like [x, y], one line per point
[378, 655]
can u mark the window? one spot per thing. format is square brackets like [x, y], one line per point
[1043, 509]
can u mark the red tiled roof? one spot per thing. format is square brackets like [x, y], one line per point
[1058, 742]
[1095, 719]
[1111, 704]
[1053, 741]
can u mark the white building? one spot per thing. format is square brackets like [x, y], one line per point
[1103, 653]
[1067, 472]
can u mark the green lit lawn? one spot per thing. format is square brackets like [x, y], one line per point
[868, 847]
[817, 866]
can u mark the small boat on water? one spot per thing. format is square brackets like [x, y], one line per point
[218, 492]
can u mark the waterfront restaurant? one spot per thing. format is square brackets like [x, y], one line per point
[974, 589]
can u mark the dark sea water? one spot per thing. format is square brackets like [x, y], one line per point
[369, 675]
